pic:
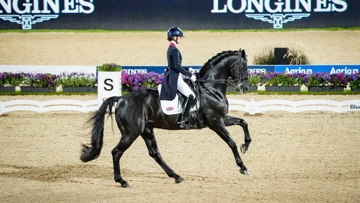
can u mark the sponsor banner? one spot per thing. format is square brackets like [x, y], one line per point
[161, 69]
[260, 68]
[347, 69]
[355, 106]
[143, 69]
[189, 15]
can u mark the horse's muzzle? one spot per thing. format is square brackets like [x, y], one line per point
[241, 87]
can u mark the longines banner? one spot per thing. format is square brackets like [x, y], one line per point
[187, 14]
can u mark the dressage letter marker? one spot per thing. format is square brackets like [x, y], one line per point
[109, 84]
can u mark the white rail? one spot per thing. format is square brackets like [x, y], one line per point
[251, 107]
[46, 106]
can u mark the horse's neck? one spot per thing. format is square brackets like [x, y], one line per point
[215, 82]
[218, 72]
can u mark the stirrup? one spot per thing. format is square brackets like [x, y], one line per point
[184, 124]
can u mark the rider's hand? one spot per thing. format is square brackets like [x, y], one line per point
[193, 78]
[191, 70]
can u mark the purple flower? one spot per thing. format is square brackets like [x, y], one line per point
[305, 79]
[130, 79]
[135, 82]
[326, 77]
[268, 76]
[38, 76]
[354, 76]
[3, 76]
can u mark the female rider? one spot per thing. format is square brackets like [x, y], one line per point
[173, 80]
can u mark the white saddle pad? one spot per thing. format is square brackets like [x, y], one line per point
[174, 106]
[170, 107]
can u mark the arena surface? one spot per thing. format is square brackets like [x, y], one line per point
[303, 157]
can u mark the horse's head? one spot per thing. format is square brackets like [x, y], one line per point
[239, 72]
[226, 64]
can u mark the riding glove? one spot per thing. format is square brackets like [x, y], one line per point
[193, 78]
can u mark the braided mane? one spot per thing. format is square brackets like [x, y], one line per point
[216, 59]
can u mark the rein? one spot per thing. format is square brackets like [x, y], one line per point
[213, 81]
[223, 81]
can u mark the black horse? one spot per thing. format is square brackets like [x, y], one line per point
[139, 112]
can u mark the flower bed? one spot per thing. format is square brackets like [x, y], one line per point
[310, 80]
[39, 80]
[137, 81]
[75, 79]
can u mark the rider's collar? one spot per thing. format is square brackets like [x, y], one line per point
[172, 43]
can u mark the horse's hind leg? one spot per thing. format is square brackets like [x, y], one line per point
[229, 121]
[154, 152]
[220, 129]
[117, 152]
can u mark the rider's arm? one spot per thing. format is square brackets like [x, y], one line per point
[177, 63]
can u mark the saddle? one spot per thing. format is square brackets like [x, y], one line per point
[177, 106]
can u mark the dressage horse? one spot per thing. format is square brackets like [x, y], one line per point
[139, 112]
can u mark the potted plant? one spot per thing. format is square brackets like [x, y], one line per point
[77, 82]
[338, 81]
[8, 81]
[109, 67]
[254, 81]
[141, 80]
[39, 82]
[282, 82]
[324, 82]
[354, 81]
[296, 57]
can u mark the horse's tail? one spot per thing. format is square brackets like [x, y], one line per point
[92, 152]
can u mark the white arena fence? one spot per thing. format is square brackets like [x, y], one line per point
[252, 107]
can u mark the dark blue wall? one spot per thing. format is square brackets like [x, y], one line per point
[187, 14]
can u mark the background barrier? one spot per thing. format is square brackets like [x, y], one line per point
[250, 107]
[347, 68]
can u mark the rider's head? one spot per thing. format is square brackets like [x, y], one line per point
[174, 33]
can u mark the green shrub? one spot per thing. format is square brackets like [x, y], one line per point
[294, 57]
[109, 67]
[254, 79]
[265, 58]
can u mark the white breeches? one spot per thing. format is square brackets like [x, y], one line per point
[183, 87]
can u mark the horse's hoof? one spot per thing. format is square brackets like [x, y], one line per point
[243, 148]
[245, 172]
[125, 185]
[179, 180]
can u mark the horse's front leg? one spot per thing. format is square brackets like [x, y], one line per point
[229, 121]
[224, 134]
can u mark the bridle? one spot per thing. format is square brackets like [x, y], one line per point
[240, 79]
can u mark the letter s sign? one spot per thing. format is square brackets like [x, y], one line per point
[108, 84]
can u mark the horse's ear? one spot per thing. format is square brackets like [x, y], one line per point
[243, 54]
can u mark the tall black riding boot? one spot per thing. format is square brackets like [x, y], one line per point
[187, 105]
